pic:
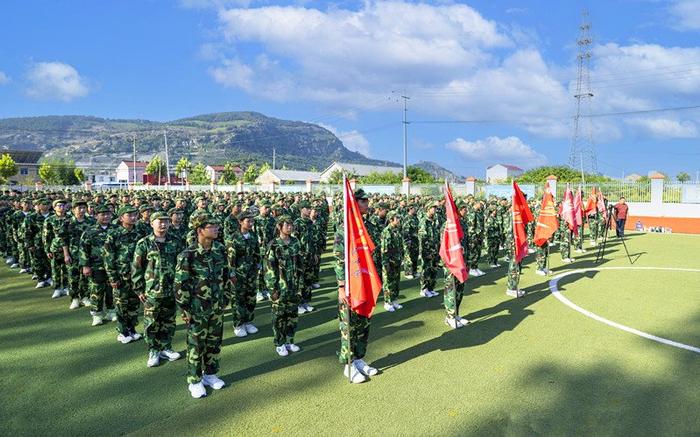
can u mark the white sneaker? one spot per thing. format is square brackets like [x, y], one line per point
[473, 272]
[408, 276]
[540, 272]
[356, 377]
[197, 390]
[9, 260]
[74, 304]
[14, 266]
[250, 328]
[34, 277]
[153, 359]
[481, 273]
[57, 293]
[41, 284]
[417, 274]
[96, 320]
[301, 309]
[65, 291]
[124, 339]
[282, 351]
[266, 293]
[240, 331]
[111, 315]
[462, 320]
[453, 323]
[365, 368]
[521, 293]
[389, 307]
[426, 293]
[169, 354]
[567, 260]
[213, 381]
[135, 335]
[397, 305]
[308, 308]
[512, 293]
[495, 266]
[259, 297]
[49, 281]
[531, 251]
[315, 285]
[23, 271]
[291, 347]
[86, 301]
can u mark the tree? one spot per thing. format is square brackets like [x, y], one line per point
[58, 172]
[418, 175]
[199, 175]
[229, 175]
[387, 177]
[336, 177]
[8, 167]
[682, 177]
[79, 174]
[250, 174]
[156, 167]
[183, 165]
[563, 173]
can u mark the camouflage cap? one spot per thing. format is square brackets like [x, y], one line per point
[360, 194]
[390, 215]
[59, 202]
[159, 216]
[79, 202]
[304, 204]
[102, 208]
[143, 208]
[284, 219]
[126, 209]
[203, 219]
[383, 205]
[172, 211]
[246, 214]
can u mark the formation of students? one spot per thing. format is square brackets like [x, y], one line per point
[123, 254]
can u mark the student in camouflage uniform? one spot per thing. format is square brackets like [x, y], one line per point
[118, 253]
[92, 265]
[454, 290]
[354, 328]
[284, 278]
[177, 227]
[475, 231]
[565, 241]
[202, 281]
[392, 255]
[153, 281]
[74, 228]
[303, 231]
[493, 234]
[593, 228]
[318, 229]
[514, 268]
[143, 226]
[265, 230]
[231, 225]
[244, 260]
[33, 230]
[411, 245]
[56, 251]
[18, 220]
[429, 237]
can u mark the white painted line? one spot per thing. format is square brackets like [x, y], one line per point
[553, 287]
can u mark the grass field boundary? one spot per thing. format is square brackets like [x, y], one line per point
[554, 288]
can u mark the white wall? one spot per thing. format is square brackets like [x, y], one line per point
[686, 210]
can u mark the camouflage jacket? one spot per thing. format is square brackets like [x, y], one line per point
[231, 227]
[303, 231]
[339, 250]
[284, 268]
[34, 229]
[118, 252]
[429, 237]
[265, 230]
[91, 244]
[409, 229]
[244, 254]
[73, 230]
[52, 237]
[392, 246]
[153, 266]
[201, 278]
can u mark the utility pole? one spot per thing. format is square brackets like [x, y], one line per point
[405, 135]
[133, 145]
[274, 156]
[167, 161]
[582, 152]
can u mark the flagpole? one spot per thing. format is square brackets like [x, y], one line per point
[347, 271]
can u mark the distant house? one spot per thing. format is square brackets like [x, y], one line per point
[130, 171]
[634, 177]
[501, 172]
[27, 166]
[357, 169]
[214, 172]
[287, 177]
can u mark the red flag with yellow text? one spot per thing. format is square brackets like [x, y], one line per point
[362, 283]
[521, 217]
[547, 222]
[451, 250]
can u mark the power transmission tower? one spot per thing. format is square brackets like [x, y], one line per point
[582, 155]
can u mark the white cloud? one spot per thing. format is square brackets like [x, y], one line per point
[4, 78]
[55, 81]
[353, 140]
[663, 127]
[510, 150]
[687, 14]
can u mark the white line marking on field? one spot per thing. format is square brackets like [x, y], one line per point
[553, 287]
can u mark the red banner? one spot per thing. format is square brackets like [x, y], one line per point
[451, 250]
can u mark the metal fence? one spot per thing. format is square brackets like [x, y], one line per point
[681, 192]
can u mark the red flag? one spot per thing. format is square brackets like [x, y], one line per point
[601, 206]
[591, 203]
[362, 283]
[547, 222]
[578, 204]
[451, 250]
[521, 217]
[567, 211]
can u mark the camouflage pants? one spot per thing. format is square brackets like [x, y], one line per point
[492, 248]
[40, 263]
[127, 304]
[541, 254]
[377, 258]
[23, 257]
[593, 227]
[474, 251]
[100, 292]
[429, 267]
[565, 244]
[354, 334]
[579, 238]
[261, 274]
[306, 279]
[513, 273]
[243, 303]
[59, 271]
[410, 256]
[392, 277]
[77, 282]
[285, 313]
[454, 290]
[15, 250]
[317, 269]
[159, 322]
[530, 228]
[204, 334]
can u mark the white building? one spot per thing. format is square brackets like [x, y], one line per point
[500, 172]
[357, 169]
[287, 177]
[126, 174]
[214, 172]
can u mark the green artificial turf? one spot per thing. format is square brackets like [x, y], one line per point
[524, 366]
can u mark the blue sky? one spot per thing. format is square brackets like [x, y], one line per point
[506, 67]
